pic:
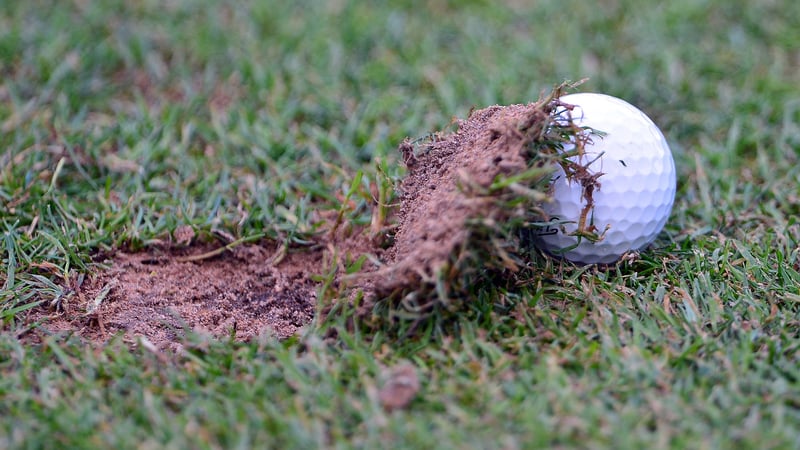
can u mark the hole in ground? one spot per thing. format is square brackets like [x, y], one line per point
[237, 293]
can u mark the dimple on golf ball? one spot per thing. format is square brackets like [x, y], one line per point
[634, 193]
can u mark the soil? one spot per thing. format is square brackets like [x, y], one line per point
[448, 185]
[163, 293]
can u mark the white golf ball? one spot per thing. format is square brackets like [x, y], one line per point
[635, 190]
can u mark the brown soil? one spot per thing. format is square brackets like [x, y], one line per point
[160, 295]
[449, 187]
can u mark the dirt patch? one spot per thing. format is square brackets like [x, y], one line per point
[162, 294]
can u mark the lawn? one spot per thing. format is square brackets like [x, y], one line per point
[122, 122]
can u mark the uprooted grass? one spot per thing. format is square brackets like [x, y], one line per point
[469, 200]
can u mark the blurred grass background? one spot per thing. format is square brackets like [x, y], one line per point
[121, 121]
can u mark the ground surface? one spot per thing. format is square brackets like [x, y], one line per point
[271, 129]
[160, 295]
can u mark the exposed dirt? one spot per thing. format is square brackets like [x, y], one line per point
[449, 187]
[161, 295]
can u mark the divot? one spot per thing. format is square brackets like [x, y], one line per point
[159, 295]
[465, 203]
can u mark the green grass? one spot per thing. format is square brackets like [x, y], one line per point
[121, 121]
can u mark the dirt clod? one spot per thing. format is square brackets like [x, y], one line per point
[400, 387]
[461, 199]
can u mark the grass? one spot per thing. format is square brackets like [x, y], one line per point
[121, 121]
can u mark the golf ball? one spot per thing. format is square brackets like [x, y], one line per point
[634, 190]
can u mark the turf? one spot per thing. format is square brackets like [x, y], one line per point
[121, 121]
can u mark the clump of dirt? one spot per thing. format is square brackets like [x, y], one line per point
[162, 294]
[465, 198]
